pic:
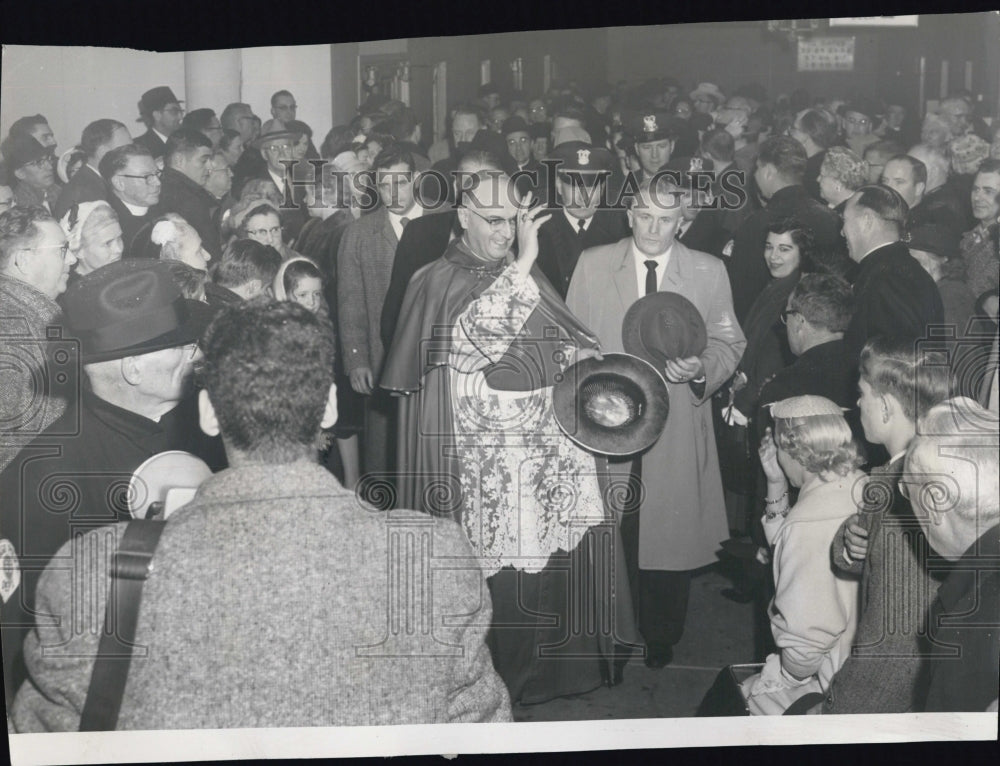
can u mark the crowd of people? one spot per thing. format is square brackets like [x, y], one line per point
[361, 342]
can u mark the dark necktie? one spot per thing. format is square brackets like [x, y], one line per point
[403, 221]
[651, 281]
[580, 226]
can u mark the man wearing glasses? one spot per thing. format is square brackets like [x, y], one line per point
[161, 110]
[275, 147]
[283, 107]
[859, 122]
[32, 168]
[134, 180]
[137, 343]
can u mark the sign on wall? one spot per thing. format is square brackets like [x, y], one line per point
[826, 54]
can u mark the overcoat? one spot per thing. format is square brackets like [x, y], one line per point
[682, 513]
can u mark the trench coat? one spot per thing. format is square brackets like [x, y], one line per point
[682, 515]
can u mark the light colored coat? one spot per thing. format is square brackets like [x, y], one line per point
[682, 516]
[364, 265]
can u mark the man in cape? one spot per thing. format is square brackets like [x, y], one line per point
[481, 339]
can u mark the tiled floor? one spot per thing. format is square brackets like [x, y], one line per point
[718, 633]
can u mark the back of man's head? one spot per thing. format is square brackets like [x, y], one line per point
[825, 301]
[244, 261]
[820, 126]
[198, 119]
[97, 134]
[183, 142]
[719, 145]
[230, 117]
[268, 371]
[402, 125]
[916, 377]
[886, 205]
[117, 160]
[18, 230]
[394, 155]
[935, 162]
[25, 126]
[785, 155]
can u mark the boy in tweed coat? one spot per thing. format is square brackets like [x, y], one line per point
[275, 598]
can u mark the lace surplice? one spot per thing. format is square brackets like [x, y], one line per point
[528, 490]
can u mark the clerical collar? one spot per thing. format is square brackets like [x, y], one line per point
[138, 210]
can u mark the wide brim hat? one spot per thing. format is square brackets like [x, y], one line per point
[934, 238]
[19, 150]
[616, 405]
[664, 325]
[129, 308]
[708, 89]
[155, 99]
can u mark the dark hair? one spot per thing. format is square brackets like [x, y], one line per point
[570, 111]
[989, 165]
[278, 93]
[297, 126]
[117, 159]
[473, 110]
[231, 114]
[268, 368]
[394, 155]
[824, 300]
[340, 138]
[185, 141]
[886, 147]
[885, 202]
[18, 229]
[803, 237]
[919, 168]
[719, 144]
[297, 270]
[228, 136]
[244, 260]
[198, 119]
[96, 134]
[820, 126]
[917, 378]
[189, 280]
[786, 155]
[403, 124]
[24, 125]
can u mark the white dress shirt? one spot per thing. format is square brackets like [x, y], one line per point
[640, 266]
[396, 219]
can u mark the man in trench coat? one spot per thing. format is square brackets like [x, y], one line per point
[681, 518]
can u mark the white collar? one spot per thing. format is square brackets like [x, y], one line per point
[415, 211]
[138, 210]
[163, 138]
[279, 181]
[575, 222]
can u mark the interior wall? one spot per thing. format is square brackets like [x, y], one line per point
[305, 70]
[75, 86]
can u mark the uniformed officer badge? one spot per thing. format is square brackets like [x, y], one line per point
[583, 156]
[696, 165]
[649, 123]
[10, 570]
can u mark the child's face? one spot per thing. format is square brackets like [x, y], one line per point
[308, 292]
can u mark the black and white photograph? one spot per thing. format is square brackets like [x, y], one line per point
[530, 384]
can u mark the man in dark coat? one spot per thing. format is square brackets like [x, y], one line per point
[274, 148]
[582, 220]
[779, 174]
[162, 112]
[134, 182]
[314, 577]
[74, 476]
[99, 138]
[894, 294]
[188, 165]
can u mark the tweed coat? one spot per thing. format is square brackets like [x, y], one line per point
[276, 599]
[682, 516]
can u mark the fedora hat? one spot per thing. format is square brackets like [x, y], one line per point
[616, 405]
[662, 326]
[273, 135]
[154, 99]
[131, 307]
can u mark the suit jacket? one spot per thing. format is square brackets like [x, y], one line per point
[271, 604]
[156, 145]
[183, 196]
[364, 264]
[682, 517]
[424, 240]
[894, 295]
[250, 165]
[130, 223]
[560, 245]
[706, 233]
[86, 186]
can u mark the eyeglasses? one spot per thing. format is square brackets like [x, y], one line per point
[496, 223]
[272, 232]
[857, 121]
[190, 350]
[147, 177]
[226, 169]
[285, 107]
[63, 248]
[275, 148]
[174, 109]
[785, 313]
[522, 140]
[41, 162]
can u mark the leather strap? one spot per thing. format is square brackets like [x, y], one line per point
[133, 563]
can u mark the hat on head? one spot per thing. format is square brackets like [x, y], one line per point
[274, 125]
[808, 406]
[19, 150]
[132, 307]
[934, 238]
[968, 153]
[76, 218]
[662, 326]
[275, 134]
[708, 89]
[569, 133]
[683, 167]
[514, 124]
[864, 106]
[617, 405]
[155, 99]
[651, 126]
[582, 158]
